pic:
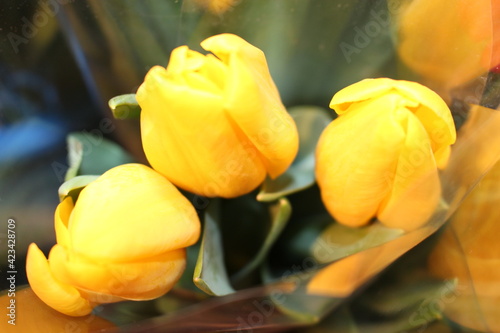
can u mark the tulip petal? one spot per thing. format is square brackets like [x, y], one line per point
[253, 102]
[62, 297]
[434, 115]
[355, 180]
[131, 212]
[59, 258]
[361, 91]
[110, 282]
[416, 188]
[62, 215]
[217, 161]
[183, 69]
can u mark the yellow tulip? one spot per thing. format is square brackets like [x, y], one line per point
[124, 239]
[469, 251]
[450, 42]
[215, 125]
[380, 157]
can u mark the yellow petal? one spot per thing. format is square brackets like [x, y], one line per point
[186, 67]
[253, 102]
[434, 115]
[59, 260]
[188, 137]
[131, 212]
[58, 256]
[359, 92]
[107, 282]
[61, 297]
[356, 158]
[62, 215]
[416, 188]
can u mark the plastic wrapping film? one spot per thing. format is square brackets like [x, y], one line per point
[315, 48]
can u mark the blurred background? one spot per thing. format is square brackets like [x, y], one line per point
[43, 96]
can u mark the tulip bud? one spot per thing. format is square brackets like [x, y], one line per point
[124, 239]
[215, 125]
[380, 157]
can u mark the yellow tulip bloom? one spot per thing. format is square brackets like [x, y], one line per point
[124, 239]
[380, 157]
[450, 42]
[215, 125]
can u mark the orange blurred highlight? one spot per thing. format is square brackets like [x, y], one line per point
[469, 249]
[33, 316]
[343, 277]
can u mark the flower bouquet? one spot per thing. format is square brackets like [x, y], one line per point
[251, 205]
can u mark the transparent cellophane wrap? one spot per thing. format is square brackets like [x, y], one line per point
[302, 269]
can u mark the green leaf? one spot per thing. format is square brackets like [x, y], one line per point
[311, 121]
[210, 272]
[89, 153]
[280, 214]
[75, 156]
[324, 240]
[186, 285]
[74, 186]
[337, 241]
[125, 107]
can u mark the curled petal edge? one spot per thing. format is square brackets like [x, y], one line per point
[59, 296]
